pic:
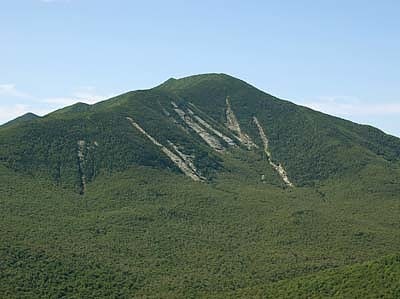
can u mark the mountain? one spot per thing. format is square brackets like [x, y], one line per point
[200, 187]
[310, 146]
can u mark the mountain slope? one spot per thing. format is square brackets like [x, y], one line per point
[311, 144]
[192, 114]
[375, 279]
[150, 233]
[200, 187]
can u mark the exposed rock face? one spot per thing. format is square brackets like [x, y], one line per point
[183, 162]
[211, 137]
[202, 132]
[228, 140]
[233, 125]
[188, 159]
[136, 125]
[81, 164]
[278, 167]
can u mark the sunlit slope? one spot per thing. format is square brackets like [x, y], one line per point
[209, 122]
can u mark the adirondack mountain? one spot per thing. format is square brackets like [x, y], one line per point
[200, 187]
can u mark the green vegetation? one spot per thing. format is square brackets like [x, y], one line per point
[146, 232]
[376, 279]
[141, 229]
[312, 146]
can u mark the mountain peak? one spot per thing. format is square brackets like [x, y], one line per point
[77, 107]
[23, 118]
[185, 82]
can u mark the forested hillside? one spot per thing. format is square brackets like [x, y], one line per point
[200, 187]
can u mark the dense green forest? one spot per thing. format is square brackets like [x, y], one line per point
[136, 234]
[91, 207]
[376, 279]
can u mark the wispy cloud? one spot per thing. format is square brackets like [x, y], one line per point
[348, 106]
[10, 90]
[14, 102]
[88, 95]
[11, 111]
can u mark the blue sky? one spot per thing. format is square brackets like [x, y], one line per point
[339, 57]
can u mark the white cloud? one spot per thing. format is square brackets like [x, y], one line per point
[86, 95]
[89, 94]
[351, 106]
[11, 111]
[10, 90]
[60, 101]
[17, 103]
